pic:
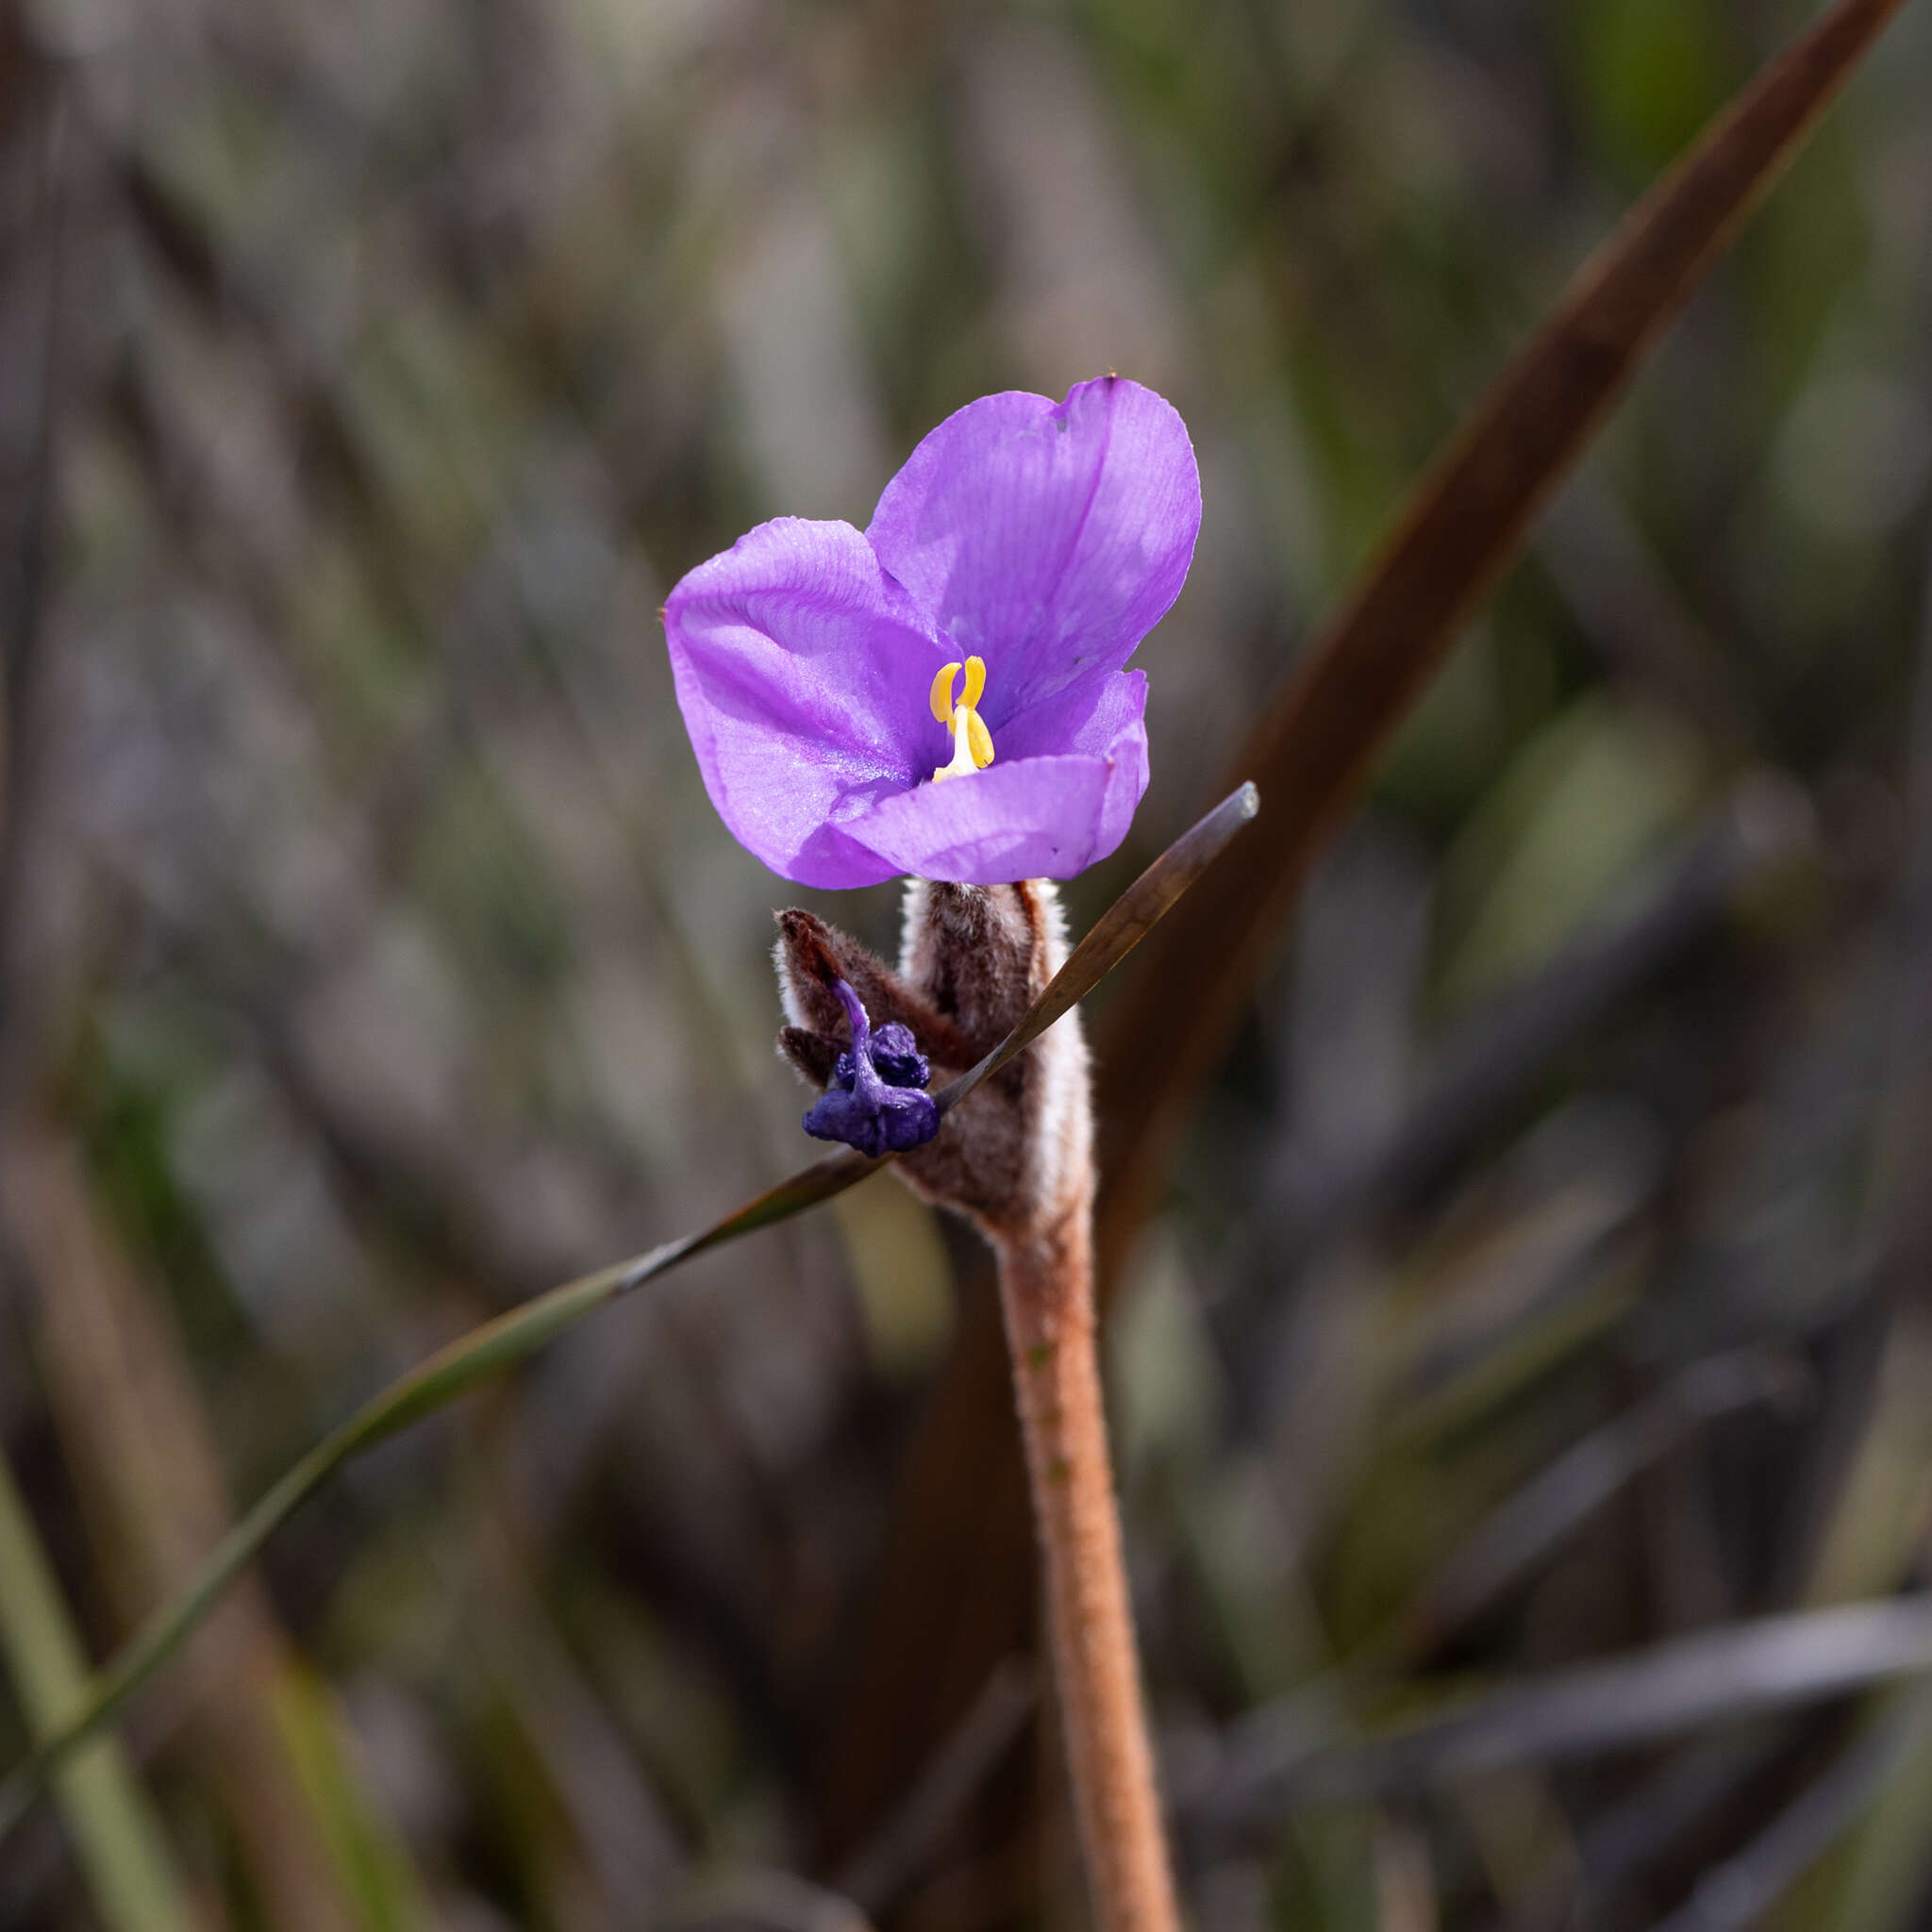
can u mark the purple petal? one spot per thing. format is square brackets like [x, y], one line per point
[1034, 818]
[1088, 715]
[803, 676]
[1101, 715]
[1050, 537]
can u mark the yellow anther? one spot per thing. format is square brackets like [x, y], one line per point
[941, 700]
[972, 740]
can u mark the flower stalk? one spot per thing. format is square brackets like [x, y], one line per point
[1017, 1160]
[1046, 1294]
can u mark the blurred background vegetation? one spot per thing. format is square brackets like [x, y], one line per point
[1545, 1279]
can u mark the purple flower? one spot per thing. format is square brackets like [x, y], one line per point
[877, 1100]
[944, 694]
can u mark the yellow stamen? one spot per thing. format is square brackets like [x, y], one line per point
[941, 699]
[972, 740]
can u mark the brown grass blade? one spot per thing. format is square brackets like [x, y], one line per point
[959, 1522]
[1463, 525]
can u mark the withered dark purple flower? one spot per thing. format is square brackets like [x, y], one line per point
[877, 1101]
[944, 694]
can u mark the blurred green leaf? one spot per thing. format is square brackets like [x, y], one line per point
[130, 1873]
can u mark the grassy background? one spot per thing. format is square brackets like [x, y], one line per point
[371, 958]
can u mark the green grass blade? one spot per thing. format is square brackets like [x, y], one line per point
[514, 1337]
[373, 1863]
[130, 1875]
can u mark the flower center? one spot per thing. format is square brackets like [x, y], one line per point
[972, 740]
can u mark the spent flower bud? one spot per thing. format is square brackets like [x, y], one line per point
[1015, 1157]
[876, 1101]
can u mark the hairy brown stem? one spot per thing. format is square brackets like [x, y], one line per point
[1046, 1288]
[1017, 1160]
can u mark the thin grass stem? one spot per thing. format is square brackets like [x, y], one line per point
[514, 1337]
